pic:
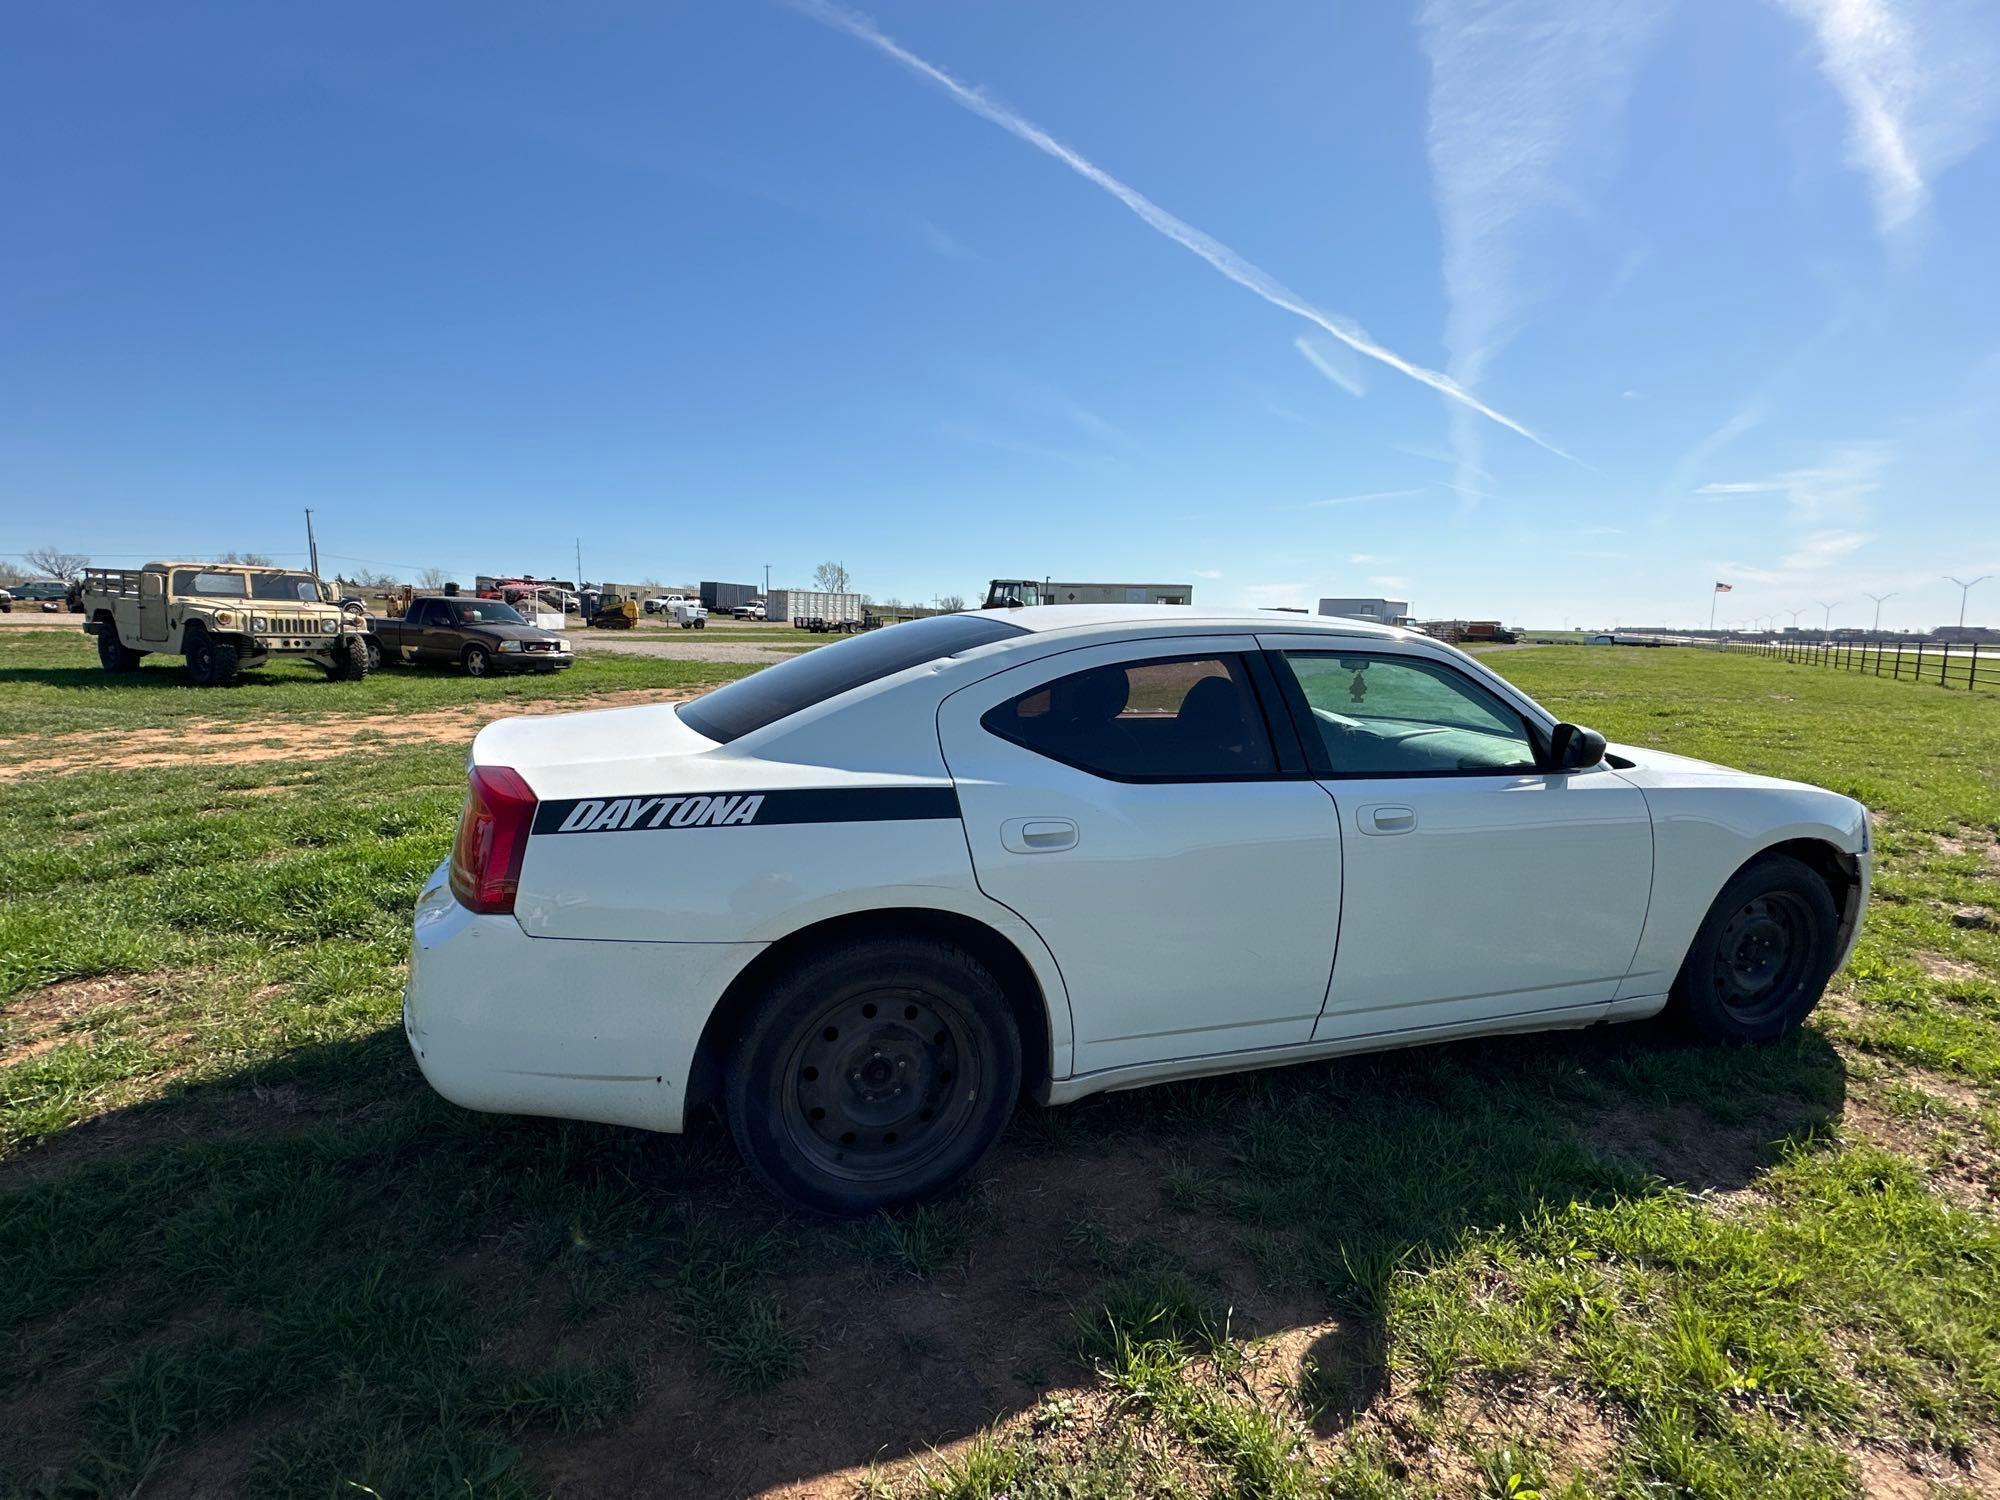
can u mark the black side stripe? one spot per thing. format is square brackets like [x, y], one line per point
[664, 810]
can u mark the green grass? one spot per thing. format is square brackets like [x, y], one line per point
[51, 684]
[243, 1247]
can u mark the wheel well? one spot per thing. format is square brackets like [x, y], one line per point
[1840, 870]
[1009, 968]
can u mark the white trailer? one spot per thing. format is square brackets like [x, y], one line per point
[815, 609]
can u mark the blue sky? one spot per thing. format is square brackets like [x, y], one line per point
[1533, 309]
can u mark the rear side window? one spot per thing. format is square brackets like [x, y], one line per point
[828, 671]
[1188, 718]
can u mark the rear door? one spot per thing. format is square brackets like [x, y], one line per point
[1478, 885]
[1130, 803]
[153, 607]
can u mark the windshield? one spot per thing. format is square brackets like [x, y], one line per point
[829, 671]
[295, 588]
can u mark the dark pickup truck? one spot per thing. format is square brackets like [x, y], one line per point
[480, 635]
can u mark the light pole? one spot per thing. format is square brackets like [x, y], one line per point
[312, 546]
[1876, 629]
[767, 582]
[1827, 623]
[1795, 613]
[1964, 588]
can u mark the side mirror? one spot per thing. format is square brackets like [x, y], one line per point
[1574, 748]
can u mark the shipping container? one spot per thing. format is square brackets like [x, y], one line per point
[815, 609]
[725, 598]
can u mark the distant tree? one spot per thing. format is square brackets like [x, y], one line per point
[11, 575]
[951, 603]
[831, 577]
[433, 578]
[51, 563]
[245, 559]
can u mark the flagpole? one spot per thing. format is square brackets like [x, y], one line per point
[1711, 608]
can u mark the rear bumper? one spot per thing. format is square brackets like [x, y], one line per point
[577, 1029]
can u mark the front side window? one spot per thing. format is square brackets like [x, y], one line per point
[1180, 719]
[1404, 716]
[479, 612]
[825, 672]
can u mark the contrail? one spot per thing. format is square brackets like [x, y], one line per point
[1245, 274]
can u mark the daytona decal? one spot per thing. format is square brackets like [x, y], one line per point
[870, 804]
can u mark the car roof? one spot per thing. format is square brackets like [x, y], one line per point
[1041, 618]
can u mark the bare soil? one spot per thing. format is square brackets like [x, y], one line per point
[249, 741]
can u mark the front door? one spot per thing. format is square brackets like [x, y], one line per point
[153, 607]
[1478, 884]
[1127, 803]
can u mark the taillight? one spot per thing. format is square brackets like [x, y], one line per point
[492, 839]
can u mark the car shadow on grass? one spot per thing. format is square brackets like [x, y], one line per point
[314, 1271]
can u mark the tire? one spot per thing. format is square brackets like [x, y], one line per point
[211, 663]
[874, 1075]
[477, 661]
[701, 624]
[374, 654]
[1762, 956]
[112, 654]
[353, 659]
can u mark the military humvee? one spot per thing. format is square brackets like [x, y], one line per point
[223, 617]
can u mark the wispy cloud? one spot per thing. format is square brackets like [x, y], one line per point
[1361, 499]
[1835, 488]
[943, 242]
[1208, 573]
[1526, 97]
[1917, 77]
[1344, 373]
[1362, 559]
[1244, 273]
[1822, 548]
[1273, 595]
[1390, 581]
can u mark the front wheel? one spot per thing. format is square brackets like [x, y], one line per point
[211, 663]
[353, 659]
[1761, 957]
[875, 1075]
[477, 662]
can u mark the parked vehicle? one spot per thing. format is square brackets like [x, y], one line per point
[689, 614]
[41, 590]
[754, 610]
[868, 896]
[223, 618]
[6, 602]
[729, 598]
[481, 636]
[817, 610]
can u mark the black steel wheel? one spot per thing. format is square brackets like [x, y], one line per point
[113, 655]
[1762, 956]
[210, 663]
[874, 1075]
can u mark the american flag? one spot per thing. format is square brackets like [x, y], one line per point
[1723, 588]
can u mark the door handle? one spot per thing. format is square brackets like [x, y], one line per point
[1038, 835]
[1387, 819]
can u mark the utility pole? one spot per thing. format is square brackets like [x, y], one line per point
[1964, 588]
[1827, 623]
[767, 583]
[579, 562]
[1876, 629]
[312, 547]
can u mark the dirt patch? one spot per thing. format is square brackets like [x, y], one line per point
[249, 741]
[1686, 1146]
[901, 1371]
[36, 1019]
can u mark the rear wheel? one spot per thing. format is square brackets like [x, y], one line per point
[211, 663]
[112, 654]
[1762, 956]
[875, 1075]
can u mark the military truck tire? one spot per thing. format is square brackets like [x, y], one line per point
[210, 663]
[113, 654]
[352, 660]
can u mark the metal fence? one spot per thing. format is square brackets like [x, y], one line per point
[1933, 662]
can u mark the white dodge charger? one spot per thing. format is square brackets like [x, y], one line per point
[865, 898]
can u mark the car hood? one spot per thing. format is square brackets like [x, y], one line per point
[1678, 786]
